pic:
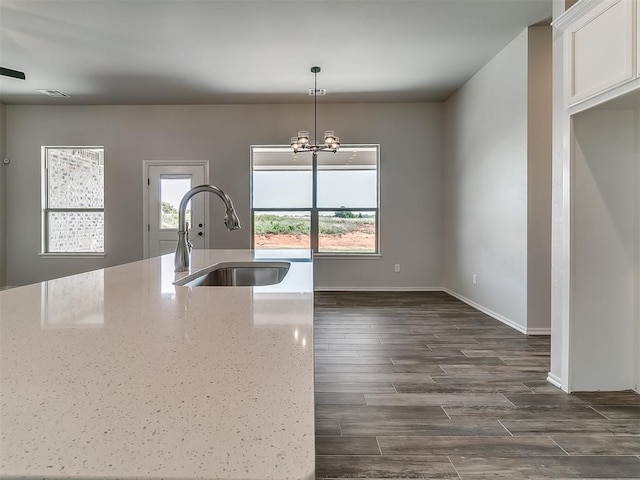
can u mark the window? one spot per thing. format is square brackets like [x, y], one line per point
[172, 189]
[73, 200]
[330, 207]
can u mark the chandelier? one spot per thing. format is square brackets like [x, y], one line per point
[302, 143]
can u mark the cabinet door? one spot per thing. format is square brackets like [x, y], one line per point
[603, 48]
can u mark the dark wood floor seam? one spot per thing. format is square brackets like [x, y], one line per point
[559, 446]
[421, 385]
[502, 424]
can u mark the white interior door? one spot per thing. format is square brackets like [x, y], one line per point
[167, 184]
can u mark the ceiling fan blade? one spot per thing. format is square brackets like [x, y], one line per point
[7, 72]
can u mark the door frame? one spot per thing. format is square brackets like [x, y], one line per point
[145, 194]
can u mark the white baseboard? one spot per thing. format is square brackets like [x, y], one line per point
[554, 380]
[378, 289]
[538, 331]
[491, 313]
[501, 318]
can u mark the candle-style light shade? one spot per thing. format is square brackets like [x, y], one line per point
[303, 137]
[329, 138]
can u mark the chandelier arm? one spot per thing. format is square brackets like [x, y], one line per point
[316, 148]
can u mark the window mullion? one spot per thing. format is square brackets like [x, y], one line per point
[45, 221]
[377, 230]
[280, 209]
[63, 210]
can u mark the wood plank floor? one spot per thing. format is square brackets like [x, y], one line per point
[421, 385]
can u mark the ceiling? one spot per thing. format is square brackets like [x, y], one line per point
[252, 51]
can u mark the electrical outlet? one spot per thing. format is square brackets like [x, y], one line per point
[396, 268]
[474, 278]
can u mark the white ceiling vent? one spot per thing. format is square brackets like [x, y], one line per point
[318, 91]
[53, 93]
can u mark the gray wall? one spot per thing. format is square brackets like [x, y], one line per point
[410, 136]
[411, 175]
[498, 183]
[486, 186]
[539, 146]
[3, 168]
[604, 242]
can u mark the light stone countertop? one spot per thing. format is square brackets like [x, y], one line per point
[117, 373]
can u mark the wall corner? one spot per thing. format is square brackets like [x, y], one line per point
[539, 154]
[3, 190]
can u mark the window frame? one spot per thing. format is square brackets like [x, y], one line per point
[315, 210]
[46, 210]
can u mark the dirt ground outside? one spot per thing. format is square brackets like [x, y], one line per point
[353, 241]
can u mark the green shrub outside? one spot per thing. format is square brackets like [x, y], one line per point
[277, 224]
[297, 225]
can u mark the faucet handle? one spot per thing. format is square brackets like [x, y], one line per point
[189, 244]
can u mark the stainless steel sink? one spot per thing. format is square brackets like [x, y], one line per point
[237, 274]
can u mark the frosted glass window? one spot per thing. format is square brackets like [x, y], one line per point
[348, 179]
[282, 189]
[73, 205]
[347, 188]
[71, 232]
[75, 178]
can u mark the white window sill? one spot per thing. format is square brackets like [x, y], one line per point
[73, 255]
[341, 256]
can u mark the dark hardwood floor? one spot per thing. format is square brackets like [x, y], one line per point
[421, 385]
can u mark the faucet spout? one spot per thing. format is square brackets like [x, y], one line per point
[182, 260]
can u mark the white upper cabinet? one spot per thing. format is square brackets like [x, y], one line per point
[601, 45]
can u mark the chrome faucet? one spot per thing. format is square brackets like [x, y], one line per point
[182, 260]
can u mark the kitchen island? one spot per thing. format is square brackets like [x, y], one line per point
[117, 373]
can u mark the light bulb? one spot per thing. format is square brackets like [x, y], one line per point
[303, 137]
[329, 138]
